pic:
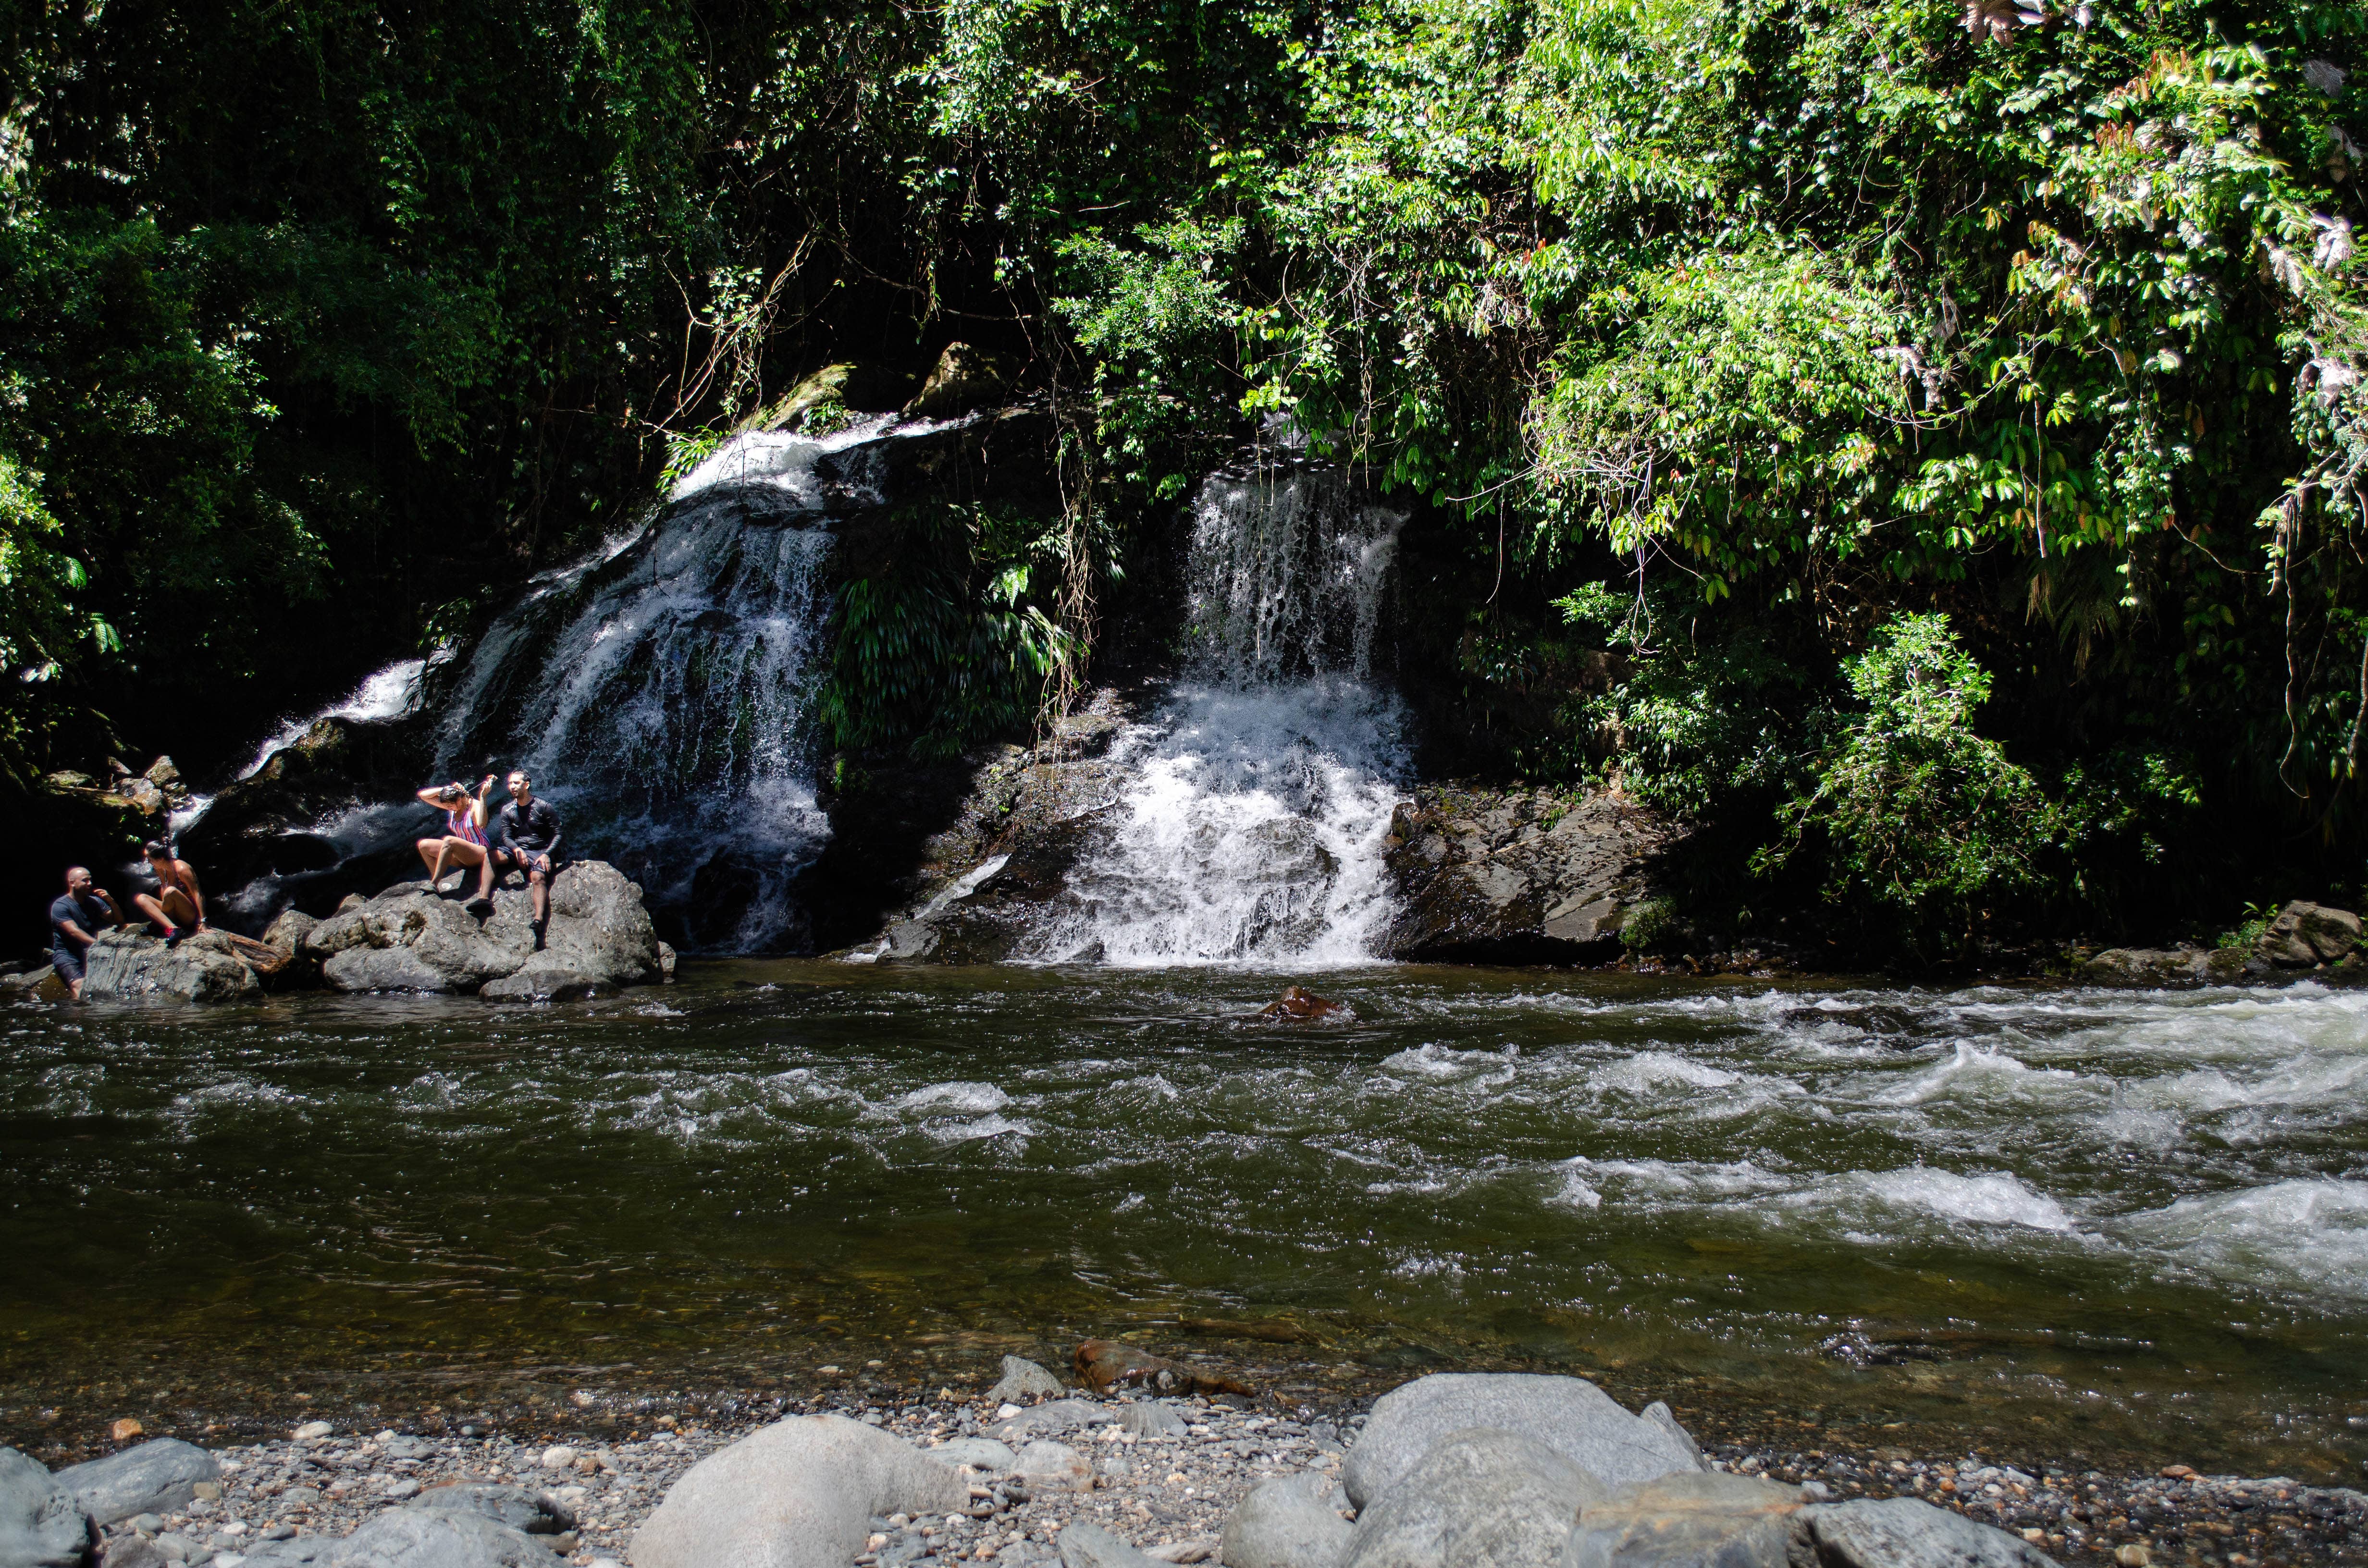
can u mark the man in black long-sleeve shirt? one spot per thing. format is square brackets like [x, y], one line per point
[527, 836]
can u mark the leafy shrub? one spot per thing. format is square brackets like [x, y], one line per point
[1925, 824]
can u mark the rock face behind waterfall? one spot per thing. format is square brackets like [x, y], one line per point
[1519, 876]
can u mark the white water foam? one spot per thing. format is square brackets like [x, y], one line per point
[661, 693]
[389, 693]
[1250, 830]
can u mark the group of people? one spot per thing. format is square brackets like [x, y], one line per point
[522, 836]
[176, 908]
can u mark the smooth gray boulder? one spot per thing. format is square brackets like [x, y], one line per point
[416, 1537]
[155, 1477]
[1047, 1466]
[1906, 1532]
[1022, 1381]
[1086, 1545]
[599, 927]
[1286, 1523]
[1045, 1420]
[41, 1525]
[1570, 1415]
[799, 1494]
[1151, 1418]
[127, 964]
[1659, 1415]
[407, 939]
[532, 1513]
[982, 1454]
[411, 938]
[1481, 1496]
[1683, 1522]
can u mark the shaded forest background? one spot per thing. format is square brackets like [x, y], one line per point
[1923, 440]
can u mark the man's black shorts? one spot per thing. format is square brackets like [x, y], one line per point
[67, 962]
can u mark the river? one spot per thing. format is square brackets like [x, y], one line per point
[2116, 1224]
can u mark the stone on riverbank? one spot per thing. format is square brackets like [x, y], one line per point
[799, 1493]
[41, 1525]
[1047, 1466]
[1519, 876]
[1090, 1546]
[1476, 1495]
[435, 1536]
[1047, 1420]
[1289, 1523]
[147, 1478]
[1902, 1532]
[1570, 1415]
[1679, 1521]
[127, 964]
[2154, 966]
[2306, 934]
[984, 1455]
[1023, 1379]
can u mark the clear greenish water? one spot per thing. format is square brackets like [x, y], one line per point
[2120, 1224]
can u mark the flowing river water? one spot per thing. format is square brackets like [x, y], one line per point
[2106, 1224]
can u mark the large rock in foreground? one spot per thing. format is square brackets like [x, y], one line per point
[1481, 1496]
[1519, 876]
[127, 964]
[41, 1525]
[799, 1494]
[1570, 1415]
[155, 1477]
[412, 938]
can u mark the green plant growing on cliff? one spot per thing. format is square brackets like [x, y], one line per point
[1924, 824]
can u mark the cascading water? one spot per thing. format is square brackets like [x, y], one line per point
[1251, 829]
[661, 693]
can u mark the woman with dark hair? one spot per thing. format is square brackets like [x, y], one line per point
[463, 842]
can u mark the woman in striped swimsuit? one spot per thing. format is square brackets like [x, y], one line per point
[463, 842]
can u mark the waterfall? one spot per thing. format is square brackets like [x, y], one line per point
[661, 692]
[1250, 829]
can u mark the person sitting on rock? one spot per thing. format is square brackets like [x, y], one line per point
[176, 903]
[529, 840]
[463, 842]
[75, 919]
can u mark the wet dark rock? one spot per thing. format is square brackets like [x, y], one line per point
[1678, 1522]
[1476, 1495]
[1003, 832]
[1903, 1532]
[151, 1477]
[1521, 876]
[1105, 1364]
[542, 983]
[2165, 967]
[1299, 1004]
[963, 379]
[1569, 1415]
[1021, 1380]
[41, 1525]
[262, 845]
[128, 965]
[1289, 1523]
[2306, 934]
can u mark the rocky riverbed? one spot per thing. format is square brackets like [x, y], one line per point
[1159, 1475]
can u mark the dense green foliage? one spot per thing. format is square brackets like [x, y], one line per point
[1738, 331]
